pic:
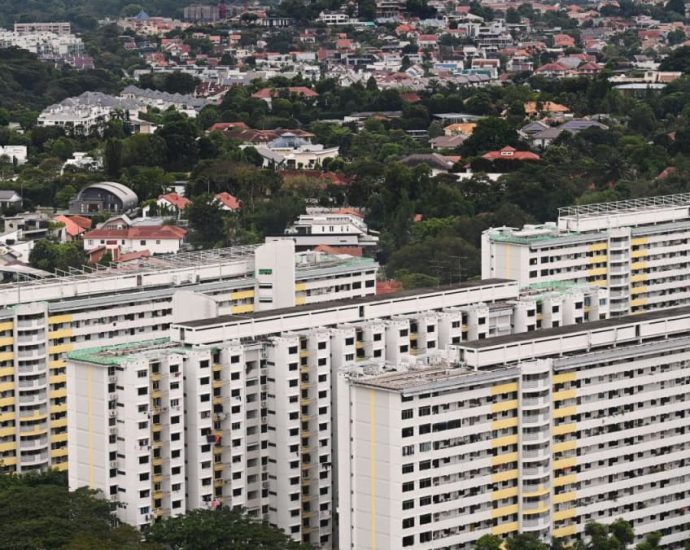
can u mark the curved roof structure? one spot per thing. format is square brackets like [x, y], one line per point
[125, 194]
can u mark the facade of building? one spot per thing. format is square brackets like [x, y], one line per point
[106, 196]
[257, 428]
[54, 27]
[329, 228]
[40, 321]
[637, 249]
[539, 433]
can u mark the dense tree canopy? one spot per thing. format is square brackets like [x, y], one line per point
[219, 530]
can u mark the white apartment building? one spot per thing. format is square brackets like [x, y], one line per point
[16, 153]
[538, 432]
[637, 249]
[329, 228]
[42, 320]
[270, 420]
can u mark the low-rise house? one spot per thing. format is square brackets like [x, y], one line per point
[510, 153]
[340, 228]
[228, 202]
[168, 204]
[161, 239]
[292, 151]
[10, 198]
[15, 153]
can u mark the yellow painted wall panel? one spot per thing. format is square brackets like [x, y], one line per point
[504, 388]
[564, 446]
[504, 406]
[504, 476]
[565, 463]
[505, 528]
[570, 479]
[563, 377]
[567, 531]
[510, 492]
[564, 514]
[564, 497]
[504, 423]
[563, 429]
[505, 440]
[565, 411]
[504, 511]
[504, 459]
[565, 394]
[56, 319]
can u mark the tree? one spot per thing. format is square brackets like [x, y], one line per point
[49, 256]
[525, 541]
[677, 60]
[218, 530]
[206, 219]
[490, 134]
[489, 542]
[38, 511]
[112, 157]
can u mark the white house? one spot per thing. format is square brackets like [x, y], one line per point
[16, 153]
[339, 228]
[291, 151]
[162, 239]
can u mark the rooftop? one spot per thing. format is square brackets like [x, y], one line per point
[592, 326]
[421, 378]
[117, 354]
[627, 206]
[201, 323]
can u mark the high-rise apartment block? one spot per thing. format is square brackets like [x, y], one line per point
[43, 320]
[538, 432]
[260, 406]
[637, 249]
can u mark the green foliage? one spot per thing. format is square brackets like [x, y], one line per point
[175, 82]
[218, 530]
[677, 60]
[207, 222]
[49, 256]
[29, 84]
[38, 511]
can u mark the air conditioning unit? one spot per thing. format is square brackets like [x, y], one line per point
[113, 413]
[264, 419]
[113, 430]
[265, 484]
[113, 464]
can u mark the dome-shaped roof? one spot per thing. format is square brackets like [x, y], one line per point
[128, 197]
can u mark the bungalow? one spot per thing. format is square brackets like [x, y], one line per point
[510, 153]
[227, 202]
[545, 108]
[553, 70]
[267, 94]
[170, 203]
[162, 239]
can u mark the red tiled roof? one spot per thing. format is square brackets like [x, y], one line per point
[266, 93]
[72, 228]
[176, 200]
[350, 211]
[350, 250]
[81, 221]
[510, 153]
[228, 200]
[163, 232]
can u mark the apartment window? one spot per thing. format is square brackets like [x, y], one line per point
[408, 541]
[408, 486]
[407, 414]
[408, 523]
[407, 504]
[407, 432]
[141, 374]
